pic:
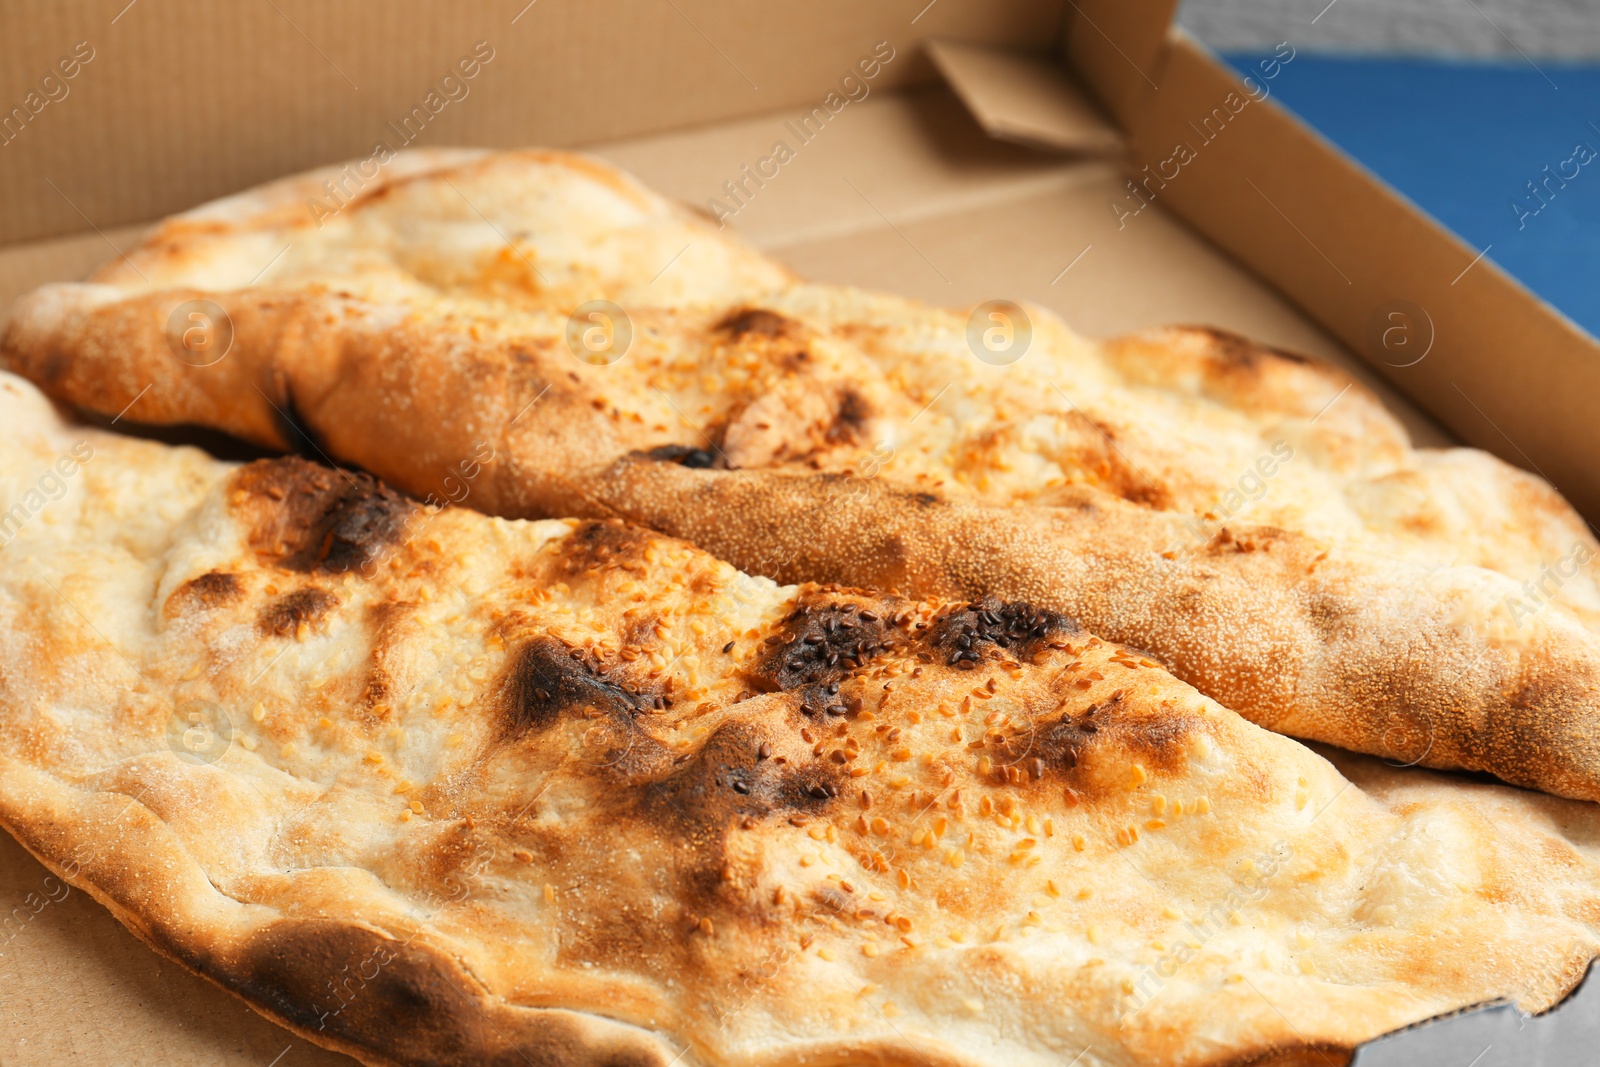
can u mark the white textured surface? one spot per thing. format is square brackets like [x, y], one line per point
[1562, 28]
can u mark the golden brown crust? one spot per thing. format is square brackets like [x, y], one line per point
[575, 792]
[1253, 517]
[418, 1006]
[1362, 654]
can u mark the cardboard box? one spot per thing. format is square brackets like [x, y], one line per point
[993, 151]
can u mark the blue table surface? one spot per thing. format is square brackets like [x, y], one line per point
[1462, 139]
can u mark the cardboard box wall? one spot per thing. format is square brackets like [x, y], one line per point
[1269, 231]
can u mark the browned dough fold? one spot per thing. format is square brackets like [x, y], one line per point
[1423, 642]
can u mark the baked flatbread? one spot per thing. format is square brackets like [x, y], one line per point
[1256, 521]
[436, 788]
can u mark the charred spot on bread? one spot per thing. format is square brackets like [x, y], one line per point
[756, 321]
[694, 805]
[600, 544]
[548, 679]
[312, 519]
[367, 517]
[415, 994]
[725, 785]
[962, 634]
[686, 456]
[821, 640]
[849, 417]
[727, 777]
[286, 614]
[210, 590]
[1072, 745]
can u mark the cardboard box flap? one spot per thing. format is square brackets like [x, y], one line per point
[901, 156]
[1028, 99]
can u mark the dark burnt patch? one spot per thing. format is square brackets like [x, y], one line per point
[685, 815]
[849, 417]
[313, 519]
[1066, 745]
[822, 639]
[284, 615]
[757, 322]
[726, 785]
[962, 635]
[548, 679]
[601, 543]
[401, 1001]
[688, 456]
[208, 591]
[1061, 744]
